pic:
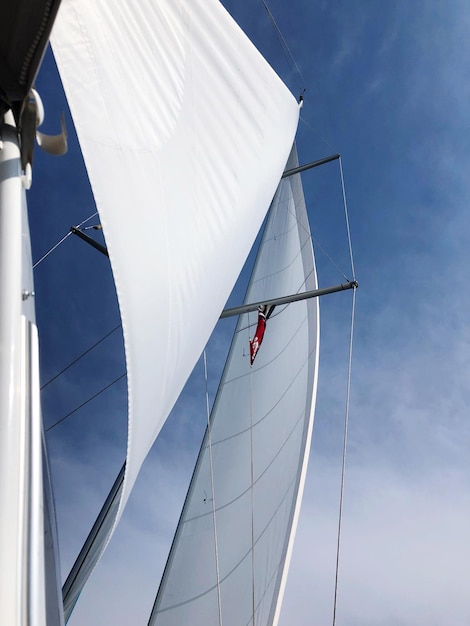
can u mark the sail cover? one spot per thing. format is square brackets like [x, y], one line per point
[233, 542]
[24, 34]
[185, 131]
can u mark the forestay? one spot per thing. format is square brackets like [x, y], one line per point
[185, 131]
[260, 435]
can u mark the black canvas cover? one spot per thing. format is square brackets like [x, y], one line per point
[25, 26]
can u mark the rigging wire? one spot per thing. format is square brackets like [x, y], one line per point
[62, 240]
[216, 545]
[86, 351]
[318, 245]
[315, 132]
[345, 442]
[345, 205]
[293, 64]
[86, 402]
[285, 48]
[51, 250]
[347, 220]
[80, 356]
[348, 231]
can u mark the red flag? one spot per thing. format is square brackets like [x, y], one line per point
[263, 314]
[258, 338]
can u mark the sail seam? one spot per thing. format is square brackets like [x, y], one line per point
[241, 432]
[286, 267]
[297, 330]
[272, 579]
[281, 307]
[243, 493]
[200, 595]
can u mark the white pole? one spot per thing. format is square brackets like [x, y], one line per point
[22, 559]
[13, 456]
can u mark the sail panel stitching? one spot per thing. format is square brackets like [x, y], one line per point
[243, 493]
[296, 331]
[261, 535]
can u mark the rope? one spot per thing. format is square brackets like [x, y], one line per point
[86, 402]
[80, 357]
[345, 441]
[285, 48]
[216, 545]
[62, 240]
[347, 220]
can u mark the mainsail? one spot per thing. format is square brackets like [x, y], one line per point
[230, 554]
[185, 131]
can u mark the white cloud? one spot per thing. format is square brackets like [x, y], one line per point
[404, 554]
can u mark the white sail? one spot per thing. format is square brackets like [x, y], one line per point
[185, 131]
[232, 546]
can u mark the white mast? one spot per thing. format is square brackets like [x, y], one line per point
[28, 575]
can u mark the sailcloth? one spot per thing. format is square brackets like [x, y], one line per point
[185, 131]
[230, 554]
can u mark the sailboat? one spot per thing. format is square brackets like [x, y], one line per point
[162, 93]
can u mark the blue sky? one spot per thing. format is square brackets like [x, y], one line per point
[387, 87]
